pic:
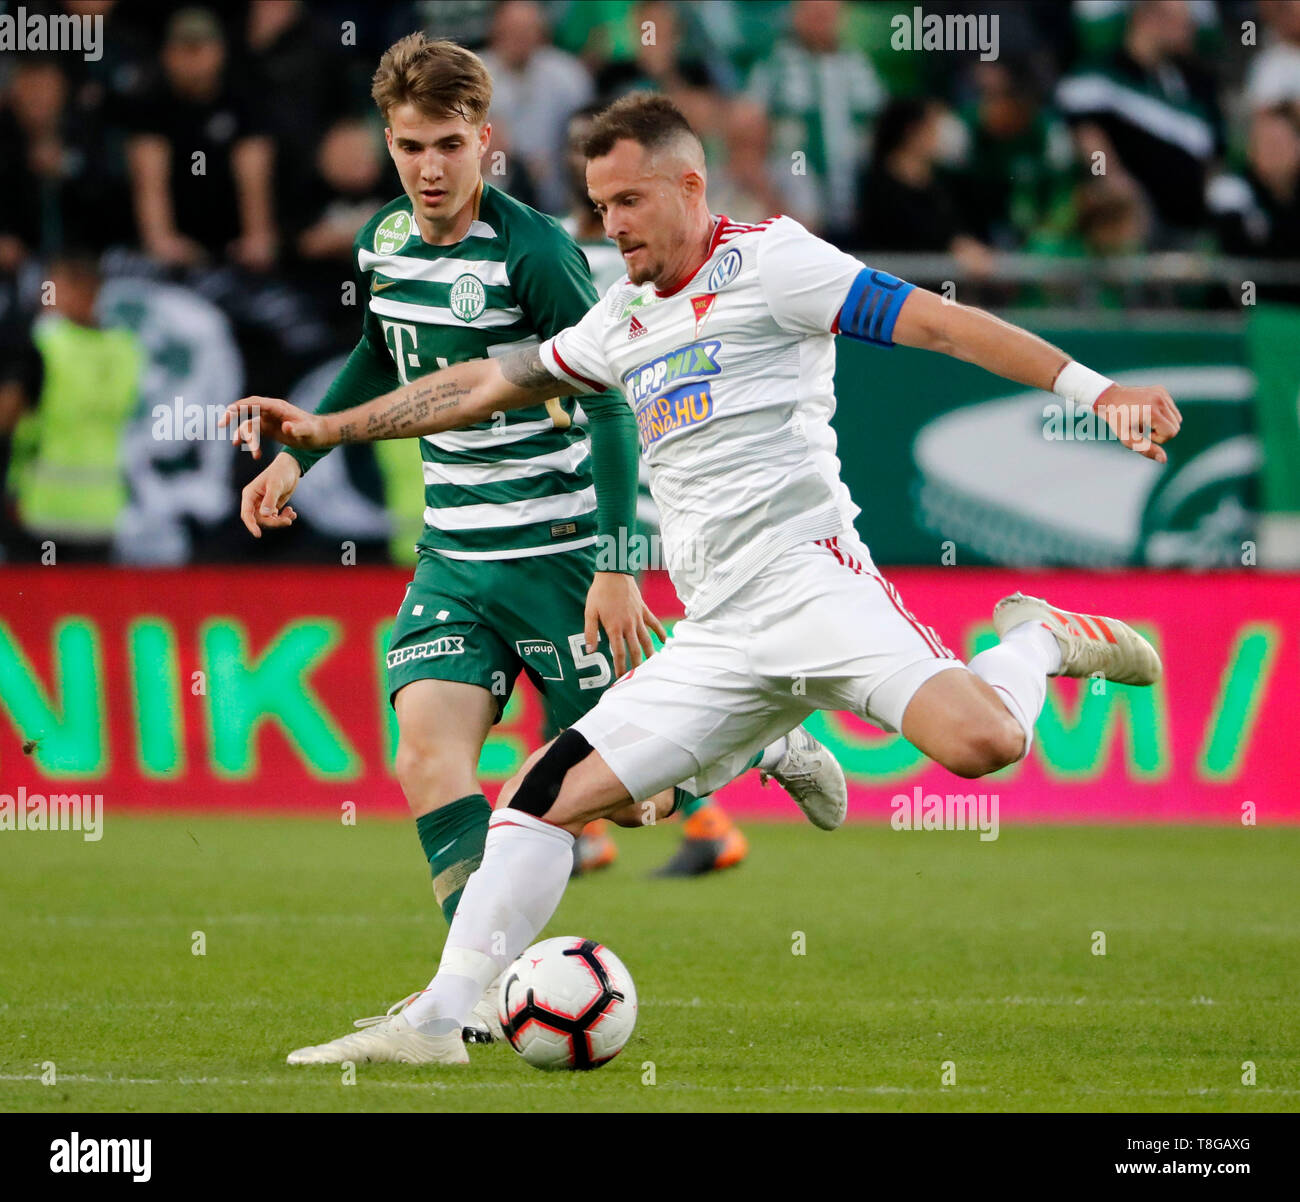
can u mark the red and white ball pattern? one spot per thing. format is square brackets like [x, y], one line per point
[567, 1003]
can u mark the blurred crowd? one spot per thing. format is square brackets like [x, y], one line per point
[232, 152]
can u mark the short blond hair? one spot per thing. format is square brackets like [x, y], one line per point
[438, 77]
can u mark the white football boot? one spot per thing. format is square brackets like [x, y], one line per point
[387, 1037]
[1089, 645]
[485, 1020]
[813, 777]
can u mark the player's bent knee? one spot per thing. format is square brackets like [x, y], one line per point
[985, 748]
[511, 787]
[542, 783]
[1005, 742]
[433, 774]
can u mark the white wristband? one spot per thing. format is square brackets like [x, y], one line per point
[1080, 384]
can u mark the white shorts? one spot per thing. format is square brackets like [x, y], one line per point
[818, 628]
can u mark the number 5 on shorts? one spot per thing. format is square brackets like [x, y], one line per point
[593, 659]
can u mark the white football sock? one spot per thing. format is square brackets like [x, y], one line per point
[507, 901]
[773, 753]
[1017, 668]
[1033, 638]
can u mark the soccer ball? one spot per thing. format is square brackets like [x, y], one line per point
[567, 1003]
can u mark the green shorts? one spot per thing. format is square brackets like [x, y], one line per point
[483, 621]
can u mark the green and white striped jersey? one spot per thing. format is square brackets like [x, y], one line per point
[520, 484]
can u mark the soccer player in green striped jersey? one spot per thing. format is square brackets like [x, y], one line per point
[506, 579]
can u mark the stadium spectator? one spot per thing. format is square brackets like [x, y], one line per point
[60, 185]
[348, 186]
[1258, 211]
[31, 156]
[905, 203]
[669, 58]
[820, 97]
[468, 22]
[66, 398]
[127, 54]
[534, 89]
[739, 32]
[200, 161]
[201, 165]
[349, 183]
[1018, 157]
[743, 183]
[1151, 113]
[1107, 215]
[1097, 27]
[300, 81]
[598, 31]
[1274, 77]
[1111, 216]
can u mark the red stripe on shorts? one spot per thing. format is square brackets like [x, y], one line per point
[930, 630]
[931, 639]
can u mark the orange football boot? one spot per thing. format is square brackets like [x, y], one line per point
[710, 843]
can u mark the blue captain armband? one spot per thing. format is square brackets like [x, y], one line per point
[871, 308]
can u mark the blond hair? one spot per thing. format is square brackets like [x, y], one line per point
[438, 77]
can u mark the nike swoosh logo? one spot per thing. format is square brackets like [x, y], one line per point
[376, 286]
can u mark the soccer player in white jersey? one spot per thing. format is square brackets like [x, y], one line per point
[512, 574]
[722, 339]
[711, 841]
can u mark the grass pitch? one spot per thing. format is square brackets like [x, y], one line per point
[924, 954]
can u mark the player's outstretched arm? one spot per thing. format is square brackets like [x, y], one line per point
[1142, 417]
[451, 399]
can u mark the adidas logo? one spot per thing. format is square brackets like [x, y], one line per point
[635, 328]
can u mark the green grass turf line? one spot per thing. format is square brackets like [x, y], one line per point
[920, 948]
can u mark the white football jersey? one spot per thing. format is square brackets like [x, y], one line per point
[731, 377]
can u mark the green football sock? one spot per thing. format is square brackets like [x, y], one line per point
[453, 839]
[688, 804]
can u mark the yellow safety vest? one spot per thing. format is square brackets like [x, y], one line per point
[402, 471]
[66, 473]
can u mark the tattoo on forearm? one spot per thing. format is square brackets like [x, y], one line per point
[524, 369]
[437, 403]
[402, 416]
